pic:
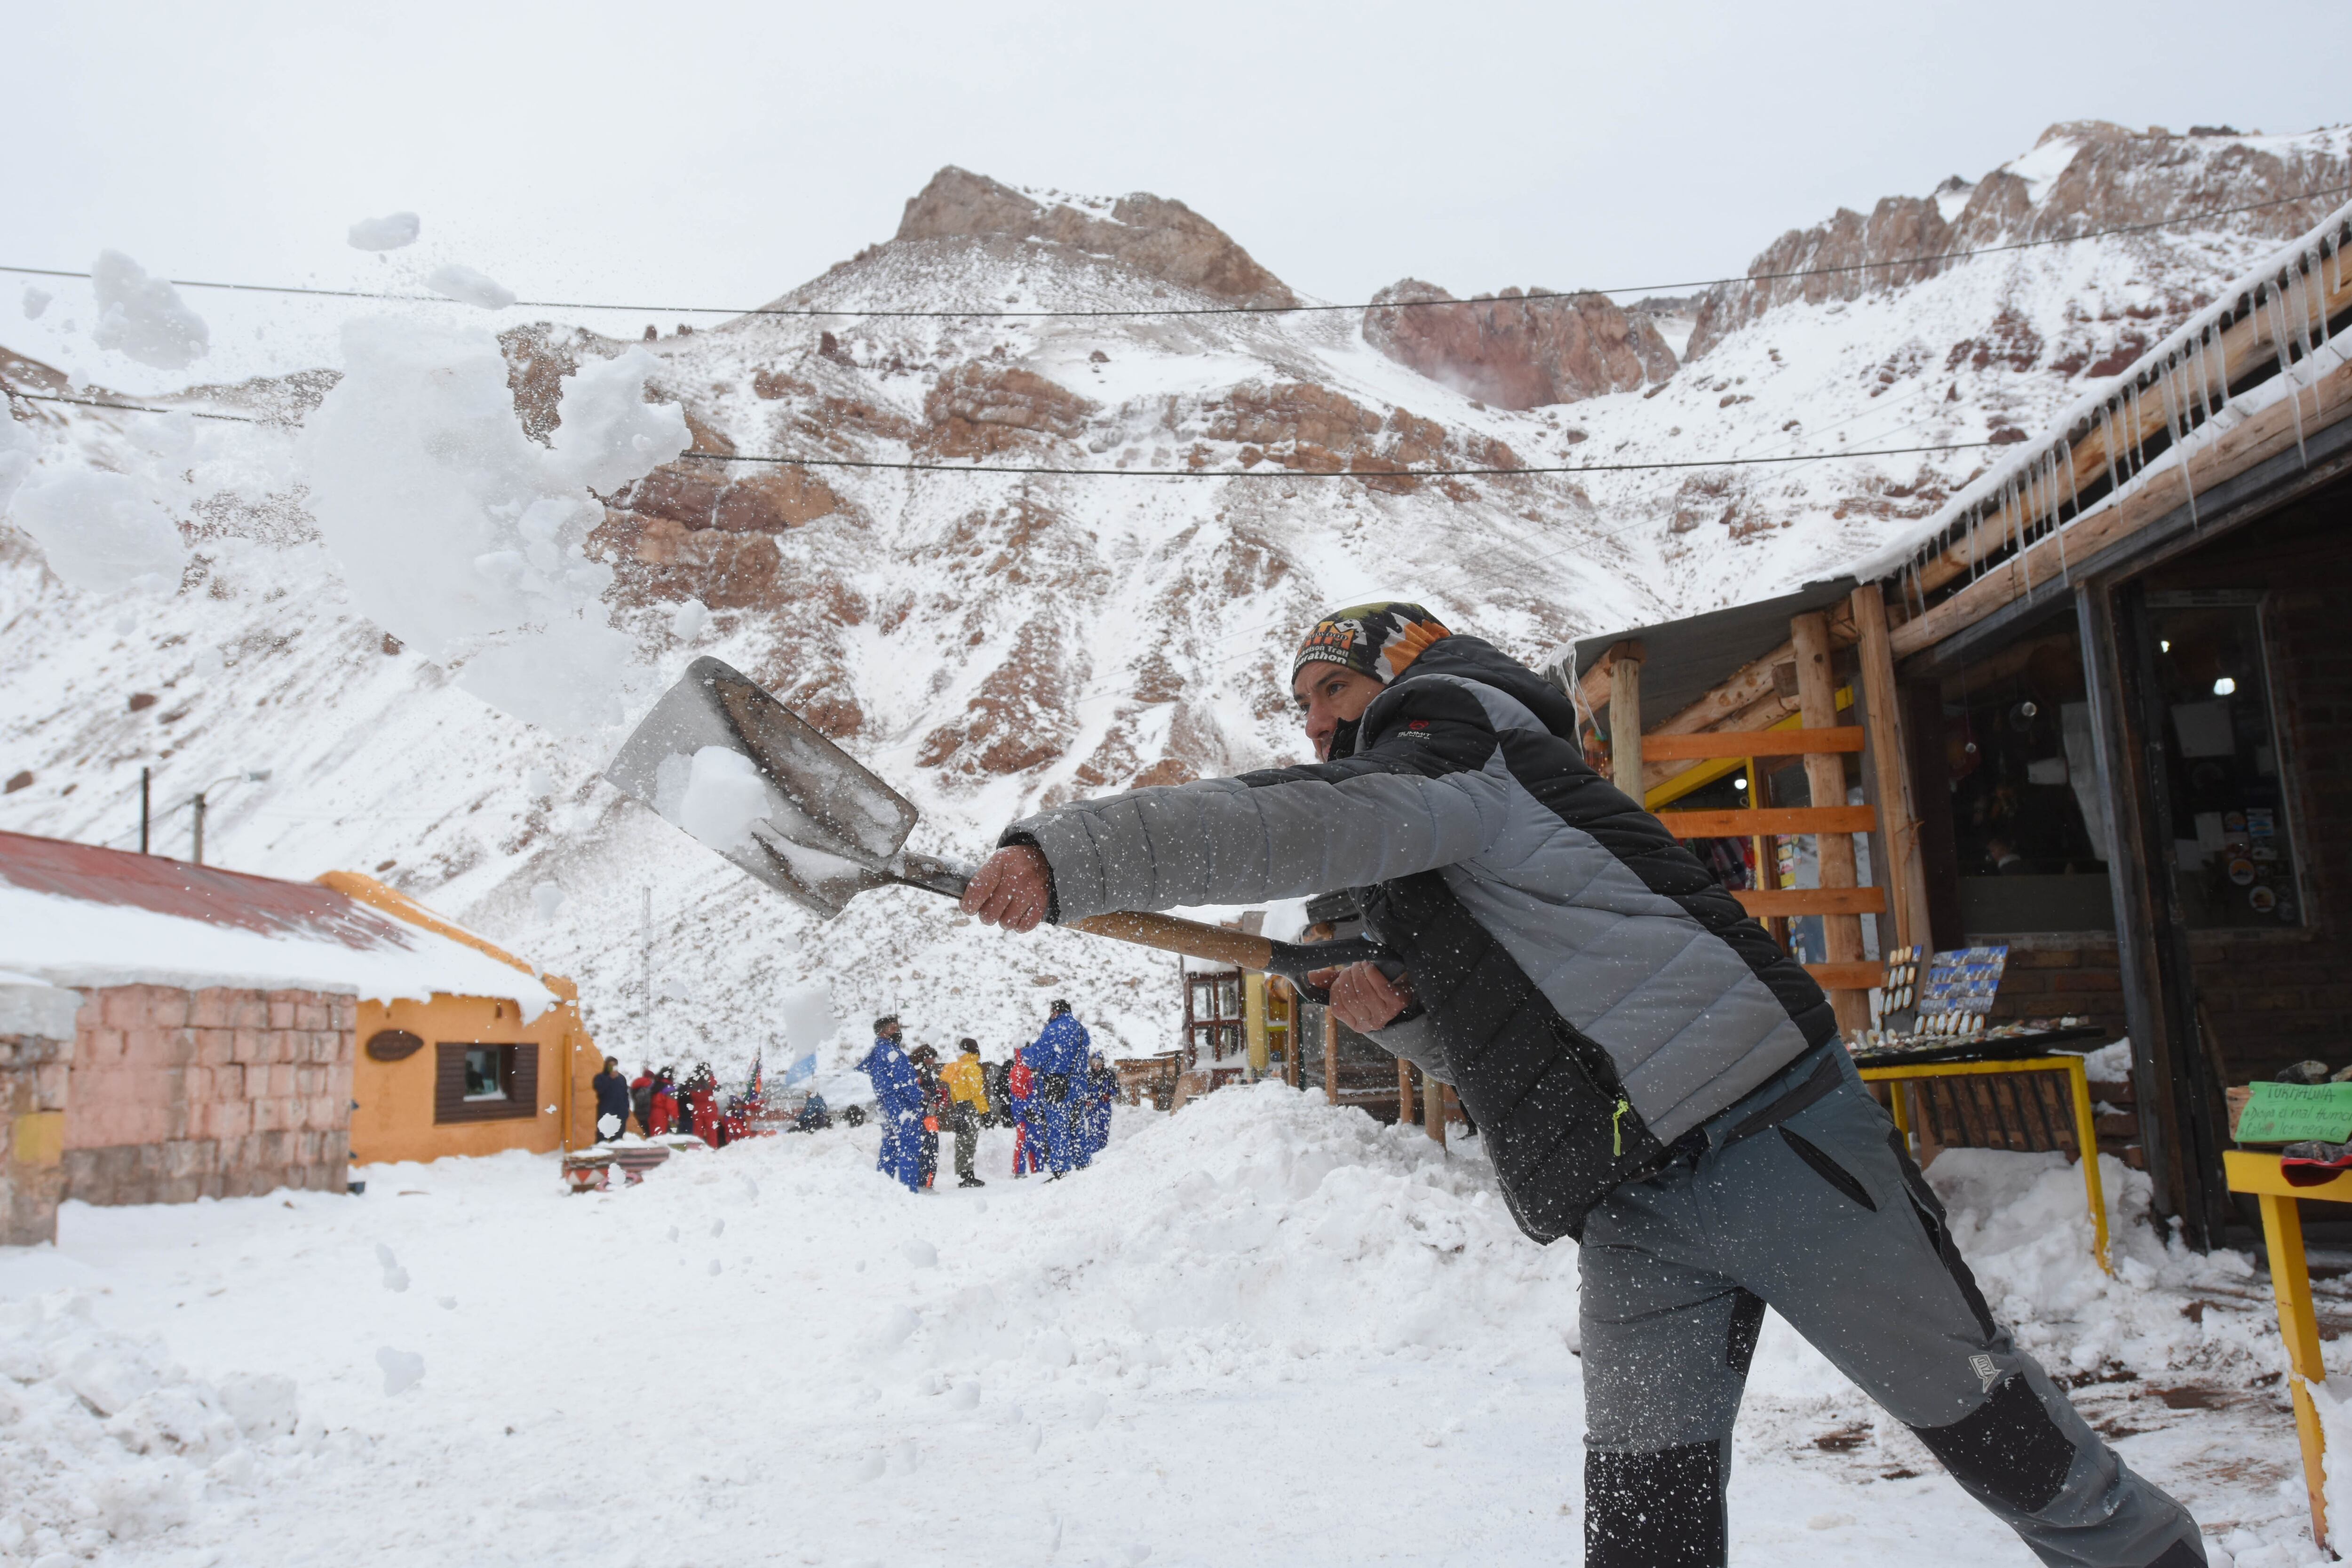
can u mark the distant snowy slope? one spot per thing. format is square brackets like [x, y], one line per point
[990, 641]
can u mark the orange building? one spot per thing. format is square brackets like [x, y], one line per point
[465, 1074]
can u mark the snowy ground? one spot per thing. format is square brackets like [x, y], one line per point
[1261, 1330]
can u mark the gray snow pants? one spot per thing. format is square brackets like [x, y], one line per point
[1803, 1198]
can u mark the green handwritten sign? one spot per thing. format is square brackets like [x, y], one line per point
[2293, 1112]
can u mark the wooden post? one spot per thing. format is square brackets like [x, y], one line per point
[2291, 1284]
[1432, 1107]
[1404, 1092]
[1625, 720]
[1254, 1021]
[1825, 777]
[1330, 1056]
[1898, 817]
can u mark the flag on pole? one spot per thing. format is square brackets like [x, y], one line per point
[757, 1091]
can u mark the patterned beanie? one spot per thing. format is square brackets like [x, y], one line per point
[1378, 639]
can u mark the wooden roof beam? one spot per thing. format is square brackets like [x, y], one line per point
[2244, 344]
[2266, 434]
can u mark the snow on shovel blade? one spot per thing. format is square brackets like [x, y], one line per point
[752, 780]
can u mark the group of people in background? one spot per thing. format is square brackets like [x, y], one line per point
[1055, 1093]
[660, 1102]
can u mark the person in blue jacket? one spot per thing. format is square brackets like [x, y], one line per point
[1057, 1099]
[898, 1096]
[1102, 1090]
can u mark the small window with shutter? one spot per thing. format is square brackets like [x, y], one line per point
[479, 1080]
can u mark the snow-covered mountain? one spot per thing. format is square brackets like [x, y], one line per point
[992, 640]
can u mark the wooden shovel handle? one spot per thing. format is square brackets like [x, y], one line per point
[1220, 944]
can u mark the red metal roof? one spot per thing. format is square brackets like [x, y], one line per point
[178, 888]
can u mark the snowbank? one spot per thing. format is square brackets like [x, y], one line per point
[1235, 1340]
[105, 1439]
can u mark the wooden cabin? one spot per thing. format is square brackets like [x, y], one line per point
[2097, 709]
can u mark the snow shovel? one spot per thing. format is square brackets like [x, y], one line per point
[755, 781]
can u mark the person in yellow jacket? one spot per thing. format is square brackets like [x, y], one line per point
[966, 1089]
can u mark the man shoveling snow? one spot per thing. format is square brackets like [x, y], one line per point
[1653, 1077]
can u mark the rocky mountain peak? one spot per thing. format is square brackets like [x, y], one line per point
[1151, 235]
[2082, 175]
[1519, 353]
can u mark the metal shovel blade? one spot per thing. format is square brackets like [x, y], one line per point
[830, 829]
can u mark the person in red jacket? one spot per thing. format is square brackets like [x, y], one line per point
[665, 1105]
[702, 1104]
[1018, 1081]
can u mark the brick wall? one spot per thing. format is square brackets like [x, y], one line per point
[178, 1095]
[2053, 975]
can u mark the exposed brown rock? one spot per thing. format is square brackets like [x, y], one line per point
[1843, 259]
[1151, 235]
[1309, 427]
[772, 501]
[662, 558]
[1517, 353]
[978, 408]
[1016, 722]
[706, 496]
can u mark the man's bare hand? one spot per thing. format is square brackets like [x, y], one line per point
[1013, 890]
[1362, 997]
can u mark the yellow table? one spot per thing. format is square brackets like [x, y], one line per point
[2086, 1132]
[2259, 1174]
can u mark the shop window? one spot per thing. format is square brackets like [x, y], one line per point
[480, 1081]
[2233, 859]
[2030, 826]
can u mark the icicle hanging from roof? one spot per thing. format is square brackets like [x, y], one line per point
[2277, 317]
[2058, 527]
[2175, 419]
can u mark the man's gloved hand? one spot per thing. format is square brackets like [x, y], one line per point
[1013, 890]
[1362, 997]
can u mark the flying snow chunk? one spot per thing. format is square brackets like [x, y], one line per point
[101, 531]
[468, 287]
[686, 621]
[538, 781]
[546, 898]
[716, 795]
[35, 301]
[143, 318]
[402, 1370]
[389, 232]
[607, 434]
[465, 537]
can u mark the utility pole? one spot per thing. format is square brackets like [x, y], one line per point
[198, 802]
[645, 957]
[145, 777]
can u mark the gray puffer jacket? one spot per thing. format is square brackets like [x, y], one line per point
[1587, 986]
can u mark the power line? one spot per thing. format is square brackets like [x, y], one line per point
[1271, 471]
[128, 407]
[812, 313]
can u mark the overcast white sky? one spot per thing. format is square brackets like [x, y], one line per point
[717, 153]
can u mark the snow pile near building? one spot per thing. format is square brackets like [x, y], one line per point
[106, 1440]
